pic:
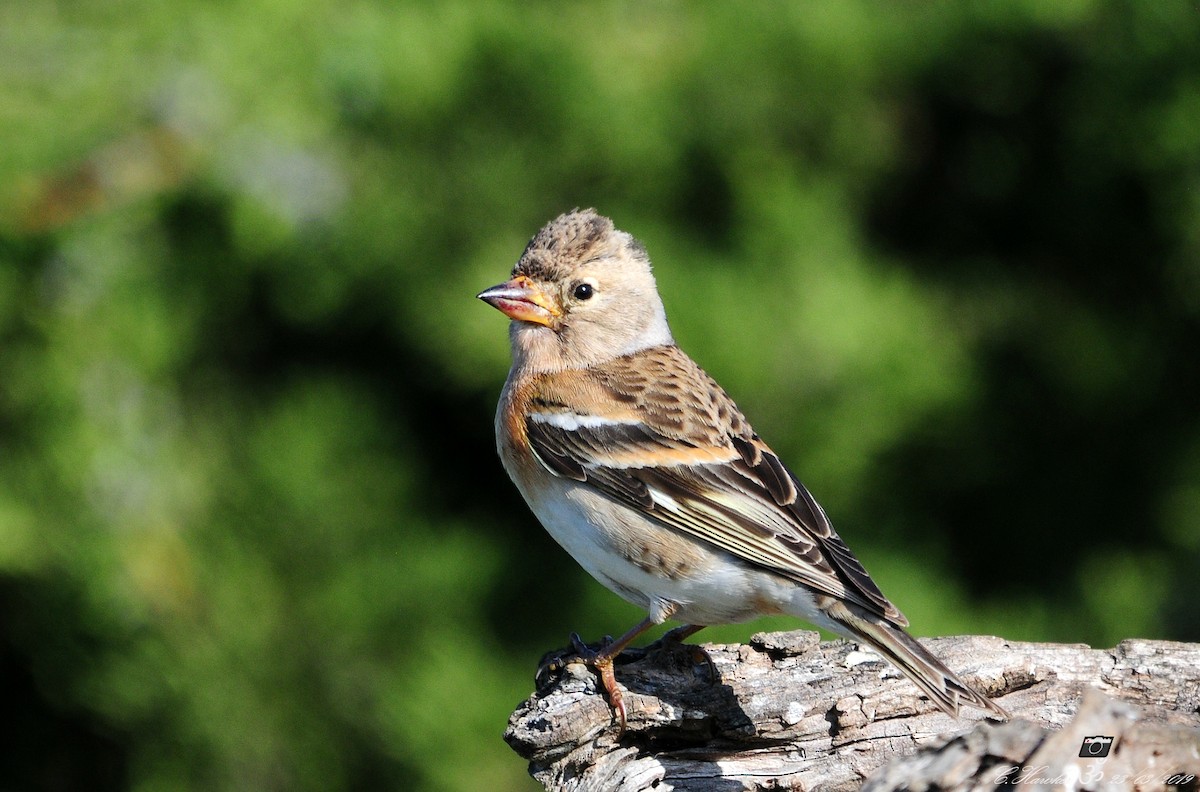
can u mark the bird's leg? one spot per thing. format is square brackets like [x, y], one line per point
[601, 660]
[676, 637]
[602, 663]
[680, 634]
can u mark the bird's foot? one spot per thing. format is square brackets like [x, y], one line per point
[601, 661]
[671, 644]
[597, 658]
[555, 662]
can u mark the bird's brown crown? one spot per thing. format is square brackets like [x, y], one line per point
[566, 241]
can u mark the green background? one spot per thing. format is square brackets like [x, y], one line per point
[253, 532]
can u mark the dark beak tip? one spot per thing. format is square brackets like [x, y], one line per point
[501, 291]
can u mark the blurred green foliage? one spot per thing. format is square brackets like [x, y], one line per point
[253, 534]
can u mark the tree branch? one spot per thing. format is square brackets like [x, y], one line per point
[787, 711]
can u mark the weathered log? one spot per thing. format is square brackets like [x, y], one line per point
[787, 711]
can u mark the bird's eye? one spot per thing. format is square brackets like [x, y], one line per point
[583, 291]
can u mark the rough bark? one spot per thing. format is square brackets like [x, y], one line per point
[787, 711]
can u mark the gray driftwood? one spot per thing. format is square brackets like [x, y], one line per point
[787, 711]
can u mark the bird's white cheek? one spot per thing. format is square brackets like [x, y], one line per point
[535, 347]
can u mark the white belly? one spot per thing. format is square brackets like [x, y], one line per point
[680, 577]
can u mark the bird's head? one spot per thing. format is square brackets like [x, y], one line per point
[581, 293]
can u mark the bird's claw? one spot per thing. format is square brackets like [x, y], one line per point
[584, 651]
[555, 662]
[598, 660]
[608, 680]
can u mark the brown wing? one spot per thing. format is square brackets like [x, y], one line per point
[655, 432]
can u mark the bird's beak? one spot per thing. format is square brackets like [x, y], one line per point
[522, 299]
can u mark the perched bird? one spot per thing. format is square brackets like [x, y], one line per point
[646, 472]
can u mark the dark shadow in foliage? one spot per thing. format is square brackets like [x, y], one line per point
[249, 339]
[999, 186]
[46, 636]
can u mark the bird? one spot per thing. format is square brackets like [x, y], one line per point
[646, 472]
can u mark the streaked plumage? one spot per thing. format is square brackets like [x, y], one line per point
[646, 472]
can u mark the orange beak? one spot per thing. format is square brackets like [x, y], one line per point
[522, 300]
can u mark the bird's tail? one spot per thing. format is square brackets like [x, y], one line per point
[928, 673]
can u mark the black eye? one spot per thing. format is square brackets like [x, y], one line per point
[583, 291]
